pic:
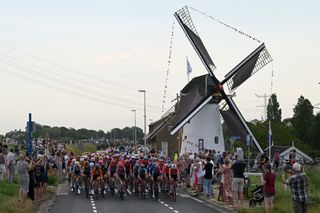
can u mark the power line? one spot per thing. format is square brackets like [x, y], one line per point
[71, 70]
[48, 83]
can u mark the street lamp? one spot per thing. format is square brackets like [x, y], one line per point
[145, 118]
[135, 124]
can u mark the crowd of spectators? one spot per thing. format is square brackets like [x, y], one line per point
[32, 169]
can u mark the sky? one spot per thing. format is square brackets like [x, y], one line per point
[80, 63]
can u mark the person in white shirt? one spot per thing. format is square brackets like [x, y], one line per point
[10, 162]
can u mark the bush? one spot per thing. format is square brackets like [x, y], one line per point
[88, 147]
[52, 181]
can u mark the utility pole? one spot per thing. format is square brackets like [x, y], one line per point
[265, 104]
[30, 130]
[145, 121]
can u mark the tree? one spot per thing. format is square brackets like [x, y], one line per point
[314, 133]
[273, 109]
[302, 117]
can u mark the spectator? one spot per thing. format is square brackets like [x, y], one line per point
[227, 173]
[207, 178]
[3, 169]
[268, 180]
[59, 165]
[23, 166]
[277, 158]
[238, 178]
[196, 169]
[298, 184]
[292, 157]
[10, 162]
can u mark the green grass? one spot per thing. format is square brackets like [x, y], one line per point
[9, 194]
[9, 199]
[282, 202]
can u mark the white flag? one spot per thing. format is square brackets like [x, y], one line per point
[189, 69]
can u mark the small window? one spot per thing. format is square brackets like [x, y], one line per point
[165, 148]
[185, 137]
[216, 140]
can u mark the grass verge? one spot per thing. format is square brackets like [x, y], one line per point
[282, 201]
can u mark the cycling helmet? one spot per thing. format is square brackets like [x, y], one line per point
[100, 162]
[91, 164]
[173, 166]
[97, 166]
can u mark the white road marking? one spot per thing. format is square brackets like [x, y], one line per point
[166, 205]
[93, 205]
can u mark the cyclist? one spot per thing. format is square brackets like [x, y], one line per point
[165, 175]
[77, 171]
[86, 174]
[173, 176]
[135, 175]
[96, 175]
[111, 172]
[121, 171]
[127, 165]
[156, 173]
[142, 176]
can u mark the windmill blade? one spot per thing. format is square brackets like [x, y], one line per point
[184, 19]
[236, 123]
[246, 68]
[189, 105]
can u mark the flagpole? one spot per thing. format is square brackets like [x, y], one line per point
[270, 139]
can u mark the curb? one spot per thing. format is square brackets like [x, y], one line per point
[212, 203]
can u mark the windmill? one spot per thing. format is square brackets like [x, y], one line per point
[237, 76]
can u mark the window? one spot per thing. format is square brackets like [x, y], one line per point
[216, 140]
[201, 145]
[165, 148]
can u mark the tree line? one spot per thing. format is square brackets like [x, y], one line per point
[70, 134]
[303, 128]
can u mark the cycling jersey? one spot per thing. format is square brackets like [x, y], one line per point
[77, 170]
[156, 171]
[96, 173]
[112, 169]
[142, 172]
[86, 171]
[121, 170]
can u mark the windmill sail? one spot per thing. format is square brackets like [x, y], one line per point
[189, 106]
[188, 27]
[236, 123]
[249, 66]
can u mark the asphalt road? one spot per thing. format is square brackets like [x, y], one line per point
[71, 203]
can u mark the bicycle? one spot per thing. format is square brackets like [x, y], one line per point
[173, 190]
[86, 185]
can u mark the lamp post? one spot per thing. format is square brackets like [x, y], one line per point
[145, 118]
[135, 124]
